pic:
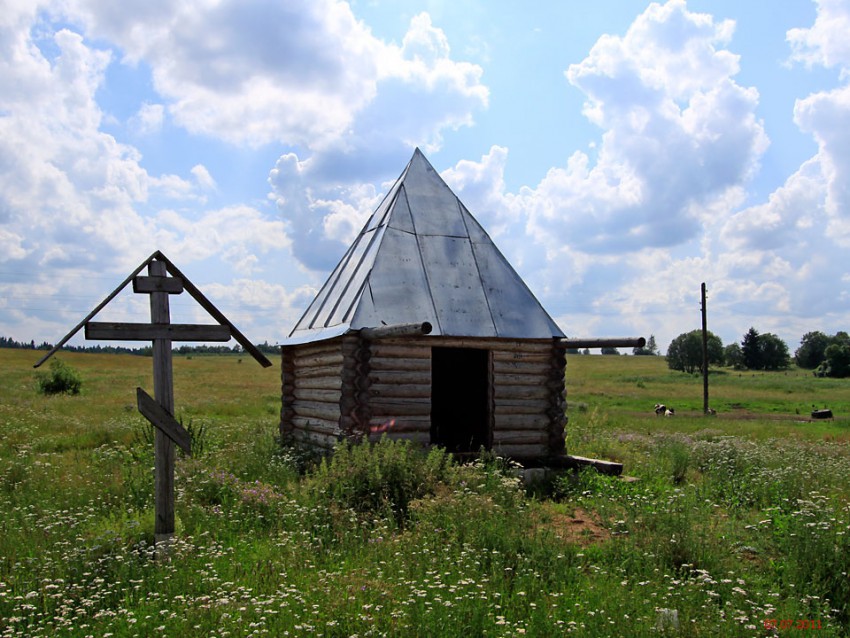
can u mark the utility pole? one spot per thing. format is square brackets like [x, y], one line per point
[704, 354]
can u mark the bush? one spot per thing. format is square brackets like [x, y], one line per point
[62, 379]
[381, 478]
[837, 362]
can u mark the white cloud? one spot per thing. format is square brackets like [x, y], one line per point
[304, 73]
[825, 43]
[625, 240]
[826, 115]
[615, 239]
[249, 73]
[203, 178]
[234, 234]
[419, 93]
[679, 134]
[782, 220]
[148, 119]
[11, 246]
[255, 305]
[76, 204]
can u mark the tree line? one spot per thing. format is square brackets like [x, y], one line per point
[144, 351]
[827, 356]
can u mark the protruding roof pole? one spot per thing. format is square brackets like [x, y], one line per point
[397, 330]
[610, 342]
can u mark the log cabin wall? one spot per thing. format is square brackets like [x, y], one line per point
[399, 388]
[349, 387]
[311, 389]
[527, 424]
[527, 396]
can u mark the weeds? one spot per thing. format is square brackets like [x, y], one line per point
[721, 533]
[382, 478]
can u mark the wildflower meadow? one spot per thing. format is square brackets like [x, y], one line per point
[731, 525]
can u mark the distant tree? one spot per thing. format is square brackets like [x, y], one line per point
[812, 350]
[651, 348]
[835, 363]
[733, 357]
[773, 352]
[610, 350]
[685, 351]
[750, 349]
[764, 351]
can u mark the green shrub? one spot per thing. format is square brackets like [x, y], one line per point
[381, 478]
[62, 379]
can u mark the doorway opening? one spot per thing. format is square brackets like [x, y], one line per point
[460, 399]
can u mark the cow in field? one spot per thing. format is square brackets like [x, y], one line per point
[663, 410]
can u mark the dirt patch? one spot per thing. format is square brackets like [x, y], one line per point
[582, 528]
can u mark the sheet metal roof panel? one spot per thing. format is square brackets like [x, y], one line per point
[455, 286]
[308, 319]
[338, 295]
[398, 287]
[433, 206]
[475, 231]
[356, 274]
[514, 309]
[311, 336]
[400, 218]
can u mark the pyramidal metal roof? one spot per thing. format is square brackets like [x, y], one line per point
[423, 257]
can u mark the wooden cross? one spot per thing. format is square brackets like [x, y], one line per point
[161, 332]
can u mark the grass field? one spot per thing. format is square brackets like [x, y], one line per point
[738, 524]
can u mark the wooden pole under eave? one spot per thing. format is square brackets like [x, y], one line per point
[608, 342]
[163, 384]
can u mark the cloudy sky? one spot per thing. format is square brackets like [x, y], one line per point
[618, 152]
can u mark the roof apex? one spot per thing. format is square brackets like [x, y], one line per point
[423, 257]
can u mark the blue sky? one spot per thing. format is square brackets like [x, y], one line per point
[618, 152]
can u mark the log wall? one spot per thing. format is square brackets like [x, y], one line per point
[350, 387]
[399, 389]
[522, 399]
[526, 397]
[311, 392]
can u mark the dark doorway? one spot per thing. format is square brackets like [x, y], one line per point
[460, 404]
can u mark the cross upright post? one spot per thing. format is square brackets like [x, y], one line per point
[163, 384]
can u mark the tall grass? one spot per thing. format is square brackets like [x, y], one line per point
[733, 521]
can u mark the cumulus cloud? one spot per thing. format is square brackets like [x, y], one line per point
[679, 132]
[624, 238]
[148, 119]
[786, 255]
[203, 178]
[252, 72]
[75, 202]
[616, 239]
[234, 234]
[254, 305]
[825, 43]
[420, 92]
[302, 73]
